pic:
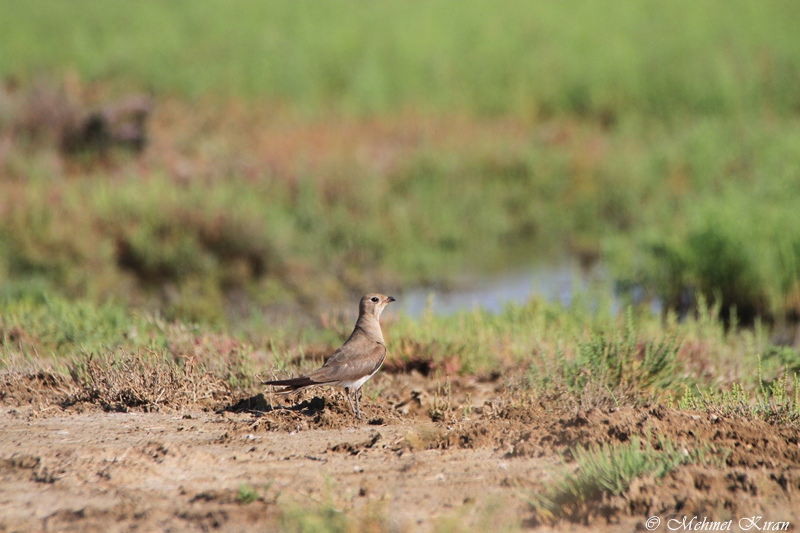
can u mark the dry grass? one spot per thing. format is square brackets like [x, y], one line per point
[142, 381]
[34, 386]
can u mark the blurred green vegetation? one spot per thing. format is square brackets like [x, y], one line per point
[709, 210]
[535, 58]
[662, 139]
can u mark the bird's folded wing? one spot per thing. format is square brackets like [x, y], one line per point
[355, 359]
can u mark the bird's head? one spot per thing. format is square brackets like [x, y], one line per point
[373, 304]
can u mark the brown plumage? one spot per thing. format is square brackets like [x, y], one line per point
[359, 358]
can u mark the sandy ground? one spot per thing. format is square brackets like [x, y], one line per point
[87, 471]
[414, 462]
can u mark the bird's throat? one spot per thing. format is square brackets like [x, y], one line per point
[371, 327]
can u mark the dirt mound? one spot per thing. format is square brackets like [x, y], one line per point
[717, 494]
[690, 491]
[402, 398]
[537, 432]
[327, 409]
[761, 460]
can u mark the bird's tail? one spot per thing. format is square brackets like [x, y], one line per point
[291, 385]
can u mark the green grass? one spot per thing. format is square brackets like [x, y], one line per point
[316, 519]
[247, 494]
[581, 354]
[776, 402]
[685, 57]
[610, 469]
[53, 326]
[618, 362]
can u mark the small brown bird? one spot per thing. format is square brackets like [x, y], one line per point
[359, 358]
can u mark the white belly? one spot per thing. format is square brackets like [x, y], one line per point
[357, 383]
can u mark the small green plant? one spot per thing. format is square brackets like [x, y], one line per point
[468, 406]
[442, 402]
[247, 494]
[778, 401]
[614, 366]
[319, 518]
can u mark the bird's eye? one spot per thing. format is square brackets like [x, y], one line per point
[375, 299]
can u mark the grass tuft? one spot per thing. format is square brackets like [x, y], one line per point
[146, 381]
[611, 367]
[247, 494]
[777, 402]
[609, 469]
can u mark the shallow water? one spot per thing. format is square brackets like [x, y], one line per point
[559, 282]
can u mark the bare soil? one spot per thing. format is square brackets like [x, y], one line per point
[466, 451]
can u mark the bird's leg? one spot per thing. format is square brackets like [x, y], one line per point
[358, 407]
[350, 399]
[358, 404]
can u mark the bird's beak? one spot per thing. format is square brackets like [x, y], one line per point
[389, 299]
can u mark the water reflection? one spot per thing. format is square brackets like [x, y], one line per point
[554, 282]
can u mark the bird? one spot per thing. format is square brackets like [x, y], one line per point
[358, 359]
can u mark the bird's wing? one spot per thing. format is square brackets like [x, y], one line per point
[358, 357]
